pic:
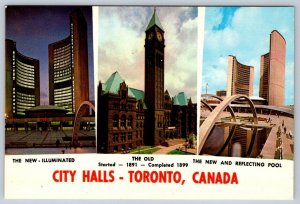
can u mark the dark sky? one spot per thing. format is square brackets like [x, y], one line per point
[34, 27]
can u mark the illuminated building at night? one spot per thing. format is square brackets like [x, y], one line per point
[68, 66]
[22, 82]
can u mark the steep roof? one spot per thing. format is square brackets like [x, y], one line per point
[180, 99]
[112, 85]
[154, 21]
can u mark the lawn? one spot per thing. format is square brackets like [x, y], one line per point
[136, 150]
[146, 151]
[178, 152]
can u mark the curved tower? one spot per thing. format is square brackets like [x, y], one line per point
[68, 66]
[22, 81]
[239, 78]
[272, 71]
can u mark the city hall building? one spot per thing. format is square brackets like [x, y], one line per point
[128, 117]
[68, 66]
[272, 71]
[22, 81]
[239, 78]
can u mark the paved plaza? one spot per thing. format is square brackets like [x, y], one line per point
[271, 144]
[50, 138]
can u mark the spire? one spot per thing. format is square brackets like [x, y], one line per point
[154, 21]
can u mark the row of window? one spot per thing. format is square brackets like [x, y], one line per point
[123, 137]
[25, 73]
[122, 122]
[62, 49]
[26, 67]
[123, 106]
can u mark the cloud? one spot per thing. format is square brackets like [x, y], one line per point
[121, 46]
[246, 37]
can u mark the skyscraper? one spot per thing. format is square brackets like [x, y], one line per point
[68, 66]
[272, 71]
[239, 78]
[22, 81]
[154, 81]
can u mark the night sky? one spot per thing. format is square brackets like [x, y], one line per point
[33, 28]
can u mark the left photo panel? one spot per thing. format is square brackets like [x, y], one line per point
[49, 99]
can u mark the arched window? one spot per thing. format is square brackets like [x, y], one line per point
[116, 121]
[123, 121]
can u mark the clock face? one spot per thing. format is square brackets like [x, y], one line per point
[150, 36]
[159, 36]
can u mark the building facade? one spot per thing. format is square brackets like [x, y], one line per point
[272, 71]
[221, 93]
[22, 81]
[120, 116]
[239, 78]
[68, 66]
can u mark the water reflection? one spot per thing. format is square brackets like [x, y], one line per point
[234, 138]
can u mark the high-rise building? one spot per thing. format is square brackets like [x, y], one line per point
[272, 71]
[68, 66]
[154, 81]
[22, 81]
[239, 78]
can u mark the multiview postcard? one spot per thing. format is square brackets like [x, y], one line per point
[188, 101]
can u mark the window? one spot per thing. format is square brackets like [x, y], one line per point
[116, 121]
[130, 136]
[123, 137]
[115, 137]
[124, 94]
[130, 121]
[123, 121]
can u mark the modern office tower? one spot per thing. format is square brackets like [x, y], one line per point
[239, 78]
[154, 81]
[68, 66]
[272, 71]
[22, 81]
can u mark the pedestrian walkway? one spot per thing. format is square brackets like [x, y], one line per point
[165, 150]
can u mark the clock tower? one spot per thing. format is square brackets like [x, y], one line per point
[154, 82]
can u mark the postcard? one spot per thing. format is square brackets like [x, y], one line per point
[152, 102]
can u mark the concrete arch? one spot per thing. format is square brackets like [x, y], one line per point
[220, 99]
[209, 123]
[207, 106]
[84, 106]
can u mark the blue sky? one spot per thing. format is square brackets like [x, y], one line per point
[244, 32]
[121, 46]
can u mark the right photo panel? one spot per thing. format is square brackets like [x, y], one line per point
[247, 88]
